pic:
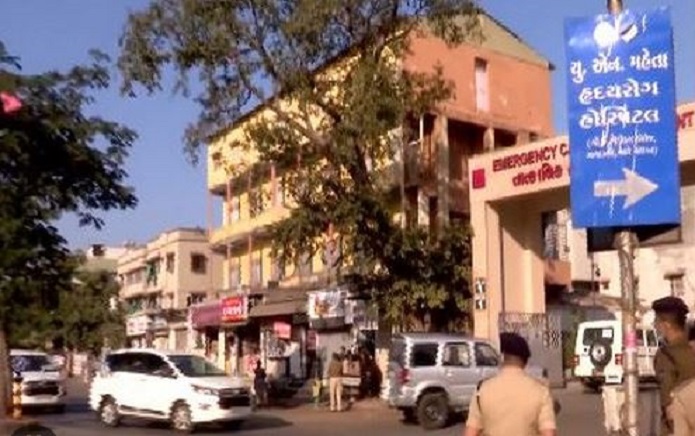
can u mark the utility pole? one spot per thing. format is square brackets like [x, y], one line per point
[626, 243]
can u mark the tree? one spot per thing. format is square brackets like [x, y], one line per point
[250, 52]
[53, 159]
[86, 318]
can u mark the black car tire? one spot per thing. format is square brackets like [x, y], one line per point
[108, 413]
[182, 419]
[600, 353]
[433, 411]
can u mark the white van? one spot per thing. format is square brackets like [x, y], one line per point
[182, 388]
[598, 353]
[42, 382]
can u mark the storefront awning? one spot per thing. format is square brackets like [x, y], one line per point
[278, 308]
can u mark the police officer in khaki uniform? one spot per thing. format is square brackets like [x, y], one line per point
[512, 402]
[682, 410]
[674, 363]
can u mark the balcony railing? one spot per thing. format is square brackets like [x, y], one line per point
[239, 230]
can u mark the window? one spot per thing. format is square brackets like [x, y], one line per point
[234, 274]
[257, 271]
[29, 362]
[234, 210]
[650, 338]
[256, 202]
[196, 298]
[306, 265]
[129, 362]
[458, 355]
[592, 335]
[171, 258]
[331, 253]
[424, 355]
[196, 366]
[278, 270]
[216, 160]
[482, 92]
[677, 285]
[485, 355]
[199, 263]
[551, 249]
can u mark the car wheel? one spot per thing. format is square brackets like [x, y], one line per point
[233, 425]
[600, 354]
[181, 418]
[108, 413]
[433, 411]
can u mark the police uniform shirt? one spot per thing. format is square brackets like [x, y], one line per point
[681, 409]
[512, 403]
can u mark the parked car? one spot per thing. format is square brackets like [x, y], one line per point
[432, 376]
[184, 389]
[598, 353]
[42, 382]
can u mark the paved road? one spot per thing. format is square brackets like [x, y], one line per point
[581, 415]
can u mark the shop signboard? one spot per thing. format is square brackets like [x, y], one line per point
[235, 309]
[622, 121]
[327, 309]
[327, 304]
[137, 325]
[282, 330]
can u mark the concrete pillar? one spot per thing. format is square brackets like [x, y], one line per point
[221, 348]
[489, 139]
[487, 265]
[523, 137]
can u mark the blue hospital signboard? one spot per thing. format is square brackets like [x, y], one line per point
[622, 116]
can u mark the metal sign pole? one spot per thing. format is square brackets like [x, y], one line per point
[625, 243]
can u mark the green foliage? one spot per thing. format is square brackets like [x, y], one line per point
[53, 159]
[85, 317]
[423, 279]
[248, 52]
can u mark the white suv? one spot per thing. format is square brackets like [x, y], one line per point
[598, 353]
[182, 388]
[42, 383]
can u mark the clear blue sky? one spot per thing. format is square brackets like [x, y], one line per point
[49, 34]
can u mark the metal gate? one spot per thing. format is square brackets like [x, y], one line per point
[544, 335]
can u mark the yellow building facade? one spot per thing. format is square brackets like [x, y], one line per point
[491, 108]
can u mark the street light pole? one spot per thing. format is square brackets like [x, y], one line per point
[626, 243]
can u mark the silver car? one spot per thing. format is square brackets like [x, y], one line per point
[432, 375]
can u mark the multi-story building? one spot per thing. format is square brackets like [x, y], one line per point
[160, 280]
[502, 97]
[99, 257]
[527, 257]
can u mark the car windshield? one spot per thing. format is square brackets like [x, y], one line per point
[29, 363]
[196, 366]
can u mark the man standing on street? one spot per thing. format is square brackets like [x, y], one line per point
[674, 363]
[512, 402]
[335, 383]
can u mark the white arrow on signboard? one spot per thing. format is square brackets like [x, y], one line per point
[634, 188]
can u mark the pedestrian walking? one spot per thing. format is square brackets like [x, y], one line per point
[512, 402]
[335, 383]
[674, 363]
[260, 384]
